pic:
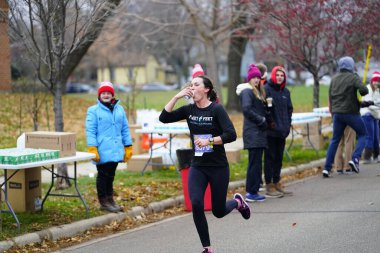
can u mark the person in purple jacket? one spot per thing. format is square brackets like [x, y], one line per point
[210, 128]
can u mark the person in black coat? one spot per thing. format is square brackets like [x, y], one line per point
[252, 100]
[281, 110]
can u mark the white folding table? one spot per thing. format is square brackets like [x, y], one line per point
[302, 119]
[172, 130]
[79, 156]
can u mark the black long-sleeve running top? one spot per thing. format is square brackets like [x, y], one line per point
[210, 121]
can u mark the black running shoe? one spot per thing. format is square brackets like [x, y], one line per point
[244, 209]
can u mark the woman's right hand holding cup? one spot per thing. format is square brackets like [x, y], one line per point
[187, 91]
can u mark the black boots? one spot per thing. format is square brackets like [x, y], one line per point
[113, 204]
[106, 205]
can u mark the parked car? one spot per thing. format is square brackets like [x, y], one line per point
[158, 87]
[122, 88]
[325, 80]
[79, 88]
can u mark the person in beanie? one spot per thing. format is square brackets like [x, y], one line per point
[282, 110]
[108, 137]
[210, 128]
[197, 71]
[264, 74]
[371, 116]
[253, 104]
[344, 107]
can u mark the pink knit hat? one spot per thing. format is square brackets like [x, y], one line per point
[106, 86]
[253, 71]
[197, 70]
[375, 76]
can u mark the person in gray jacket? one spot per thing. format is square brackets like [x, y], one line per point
[345, 107]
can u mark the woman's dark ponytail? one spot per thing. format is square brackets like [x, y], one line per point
[212, 96]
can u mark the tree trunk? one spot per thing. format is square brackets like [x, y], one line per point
[316, 92]
[212, 68]
[235, 55]
[62, 182]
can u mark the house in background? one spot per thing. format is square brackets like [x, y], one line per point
[136, 68]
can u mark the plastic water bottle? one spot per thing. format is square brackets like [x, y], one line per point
[189, 99]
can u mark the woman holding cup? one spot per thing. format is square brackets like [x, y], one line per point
[281, 111]
[253, 103]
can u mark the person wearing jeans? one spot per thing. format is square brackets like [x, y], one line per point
[371, 116]
[345, 106]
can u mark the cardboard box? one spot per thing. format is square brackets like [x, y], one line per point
[137, 162]
[233, 155]
[24, 189]
[136, 139]
[316, 140]
[315, 128]
[63, 141]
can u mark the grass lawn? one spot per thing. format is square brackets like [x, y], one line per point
[132, 188]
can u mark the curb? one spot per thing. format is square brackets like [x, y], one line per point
[81, 226]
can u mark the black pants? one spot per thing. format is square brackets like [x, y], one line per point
[254, 170]
[218, 178]
[104, 180]
[273, 159]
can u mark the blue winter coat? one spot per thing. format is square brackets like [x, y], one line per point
[282, 110]
[108, 131]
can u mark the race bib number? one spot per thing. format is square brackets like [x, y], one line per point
[199, 151]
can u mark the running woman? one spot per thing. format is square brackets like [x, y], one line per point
[210, 128]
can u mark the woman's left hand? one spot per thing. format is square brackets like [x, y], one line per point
[201, 142]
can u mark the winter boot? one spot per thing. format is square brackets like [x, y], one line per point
[367, 155]
[279, 187]
[113, 204]
[106, 206]
[272, 192]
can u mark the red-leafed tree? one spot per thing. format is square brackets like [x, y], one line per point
[310, 33]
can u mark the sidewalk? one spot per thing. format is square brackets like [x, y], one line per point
[89, 169]
[82, 226]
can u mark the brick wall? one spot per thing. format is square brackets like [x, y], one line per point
[5, 55]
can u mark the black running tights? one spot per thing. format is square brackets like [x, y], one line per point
[199, 177]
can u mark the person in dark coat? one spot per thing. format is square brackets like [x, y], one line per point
[252, 100]
[345, 108]
[281, 110]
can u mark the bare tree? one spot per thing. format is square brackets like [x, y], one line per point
[214, 21]
[57, 34]
[311, 34]
[237, 44]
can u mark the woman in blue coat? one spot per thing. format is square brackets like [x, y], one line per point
[109, 139]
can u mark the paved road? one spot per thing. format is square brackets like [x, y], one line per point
[339, 214]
